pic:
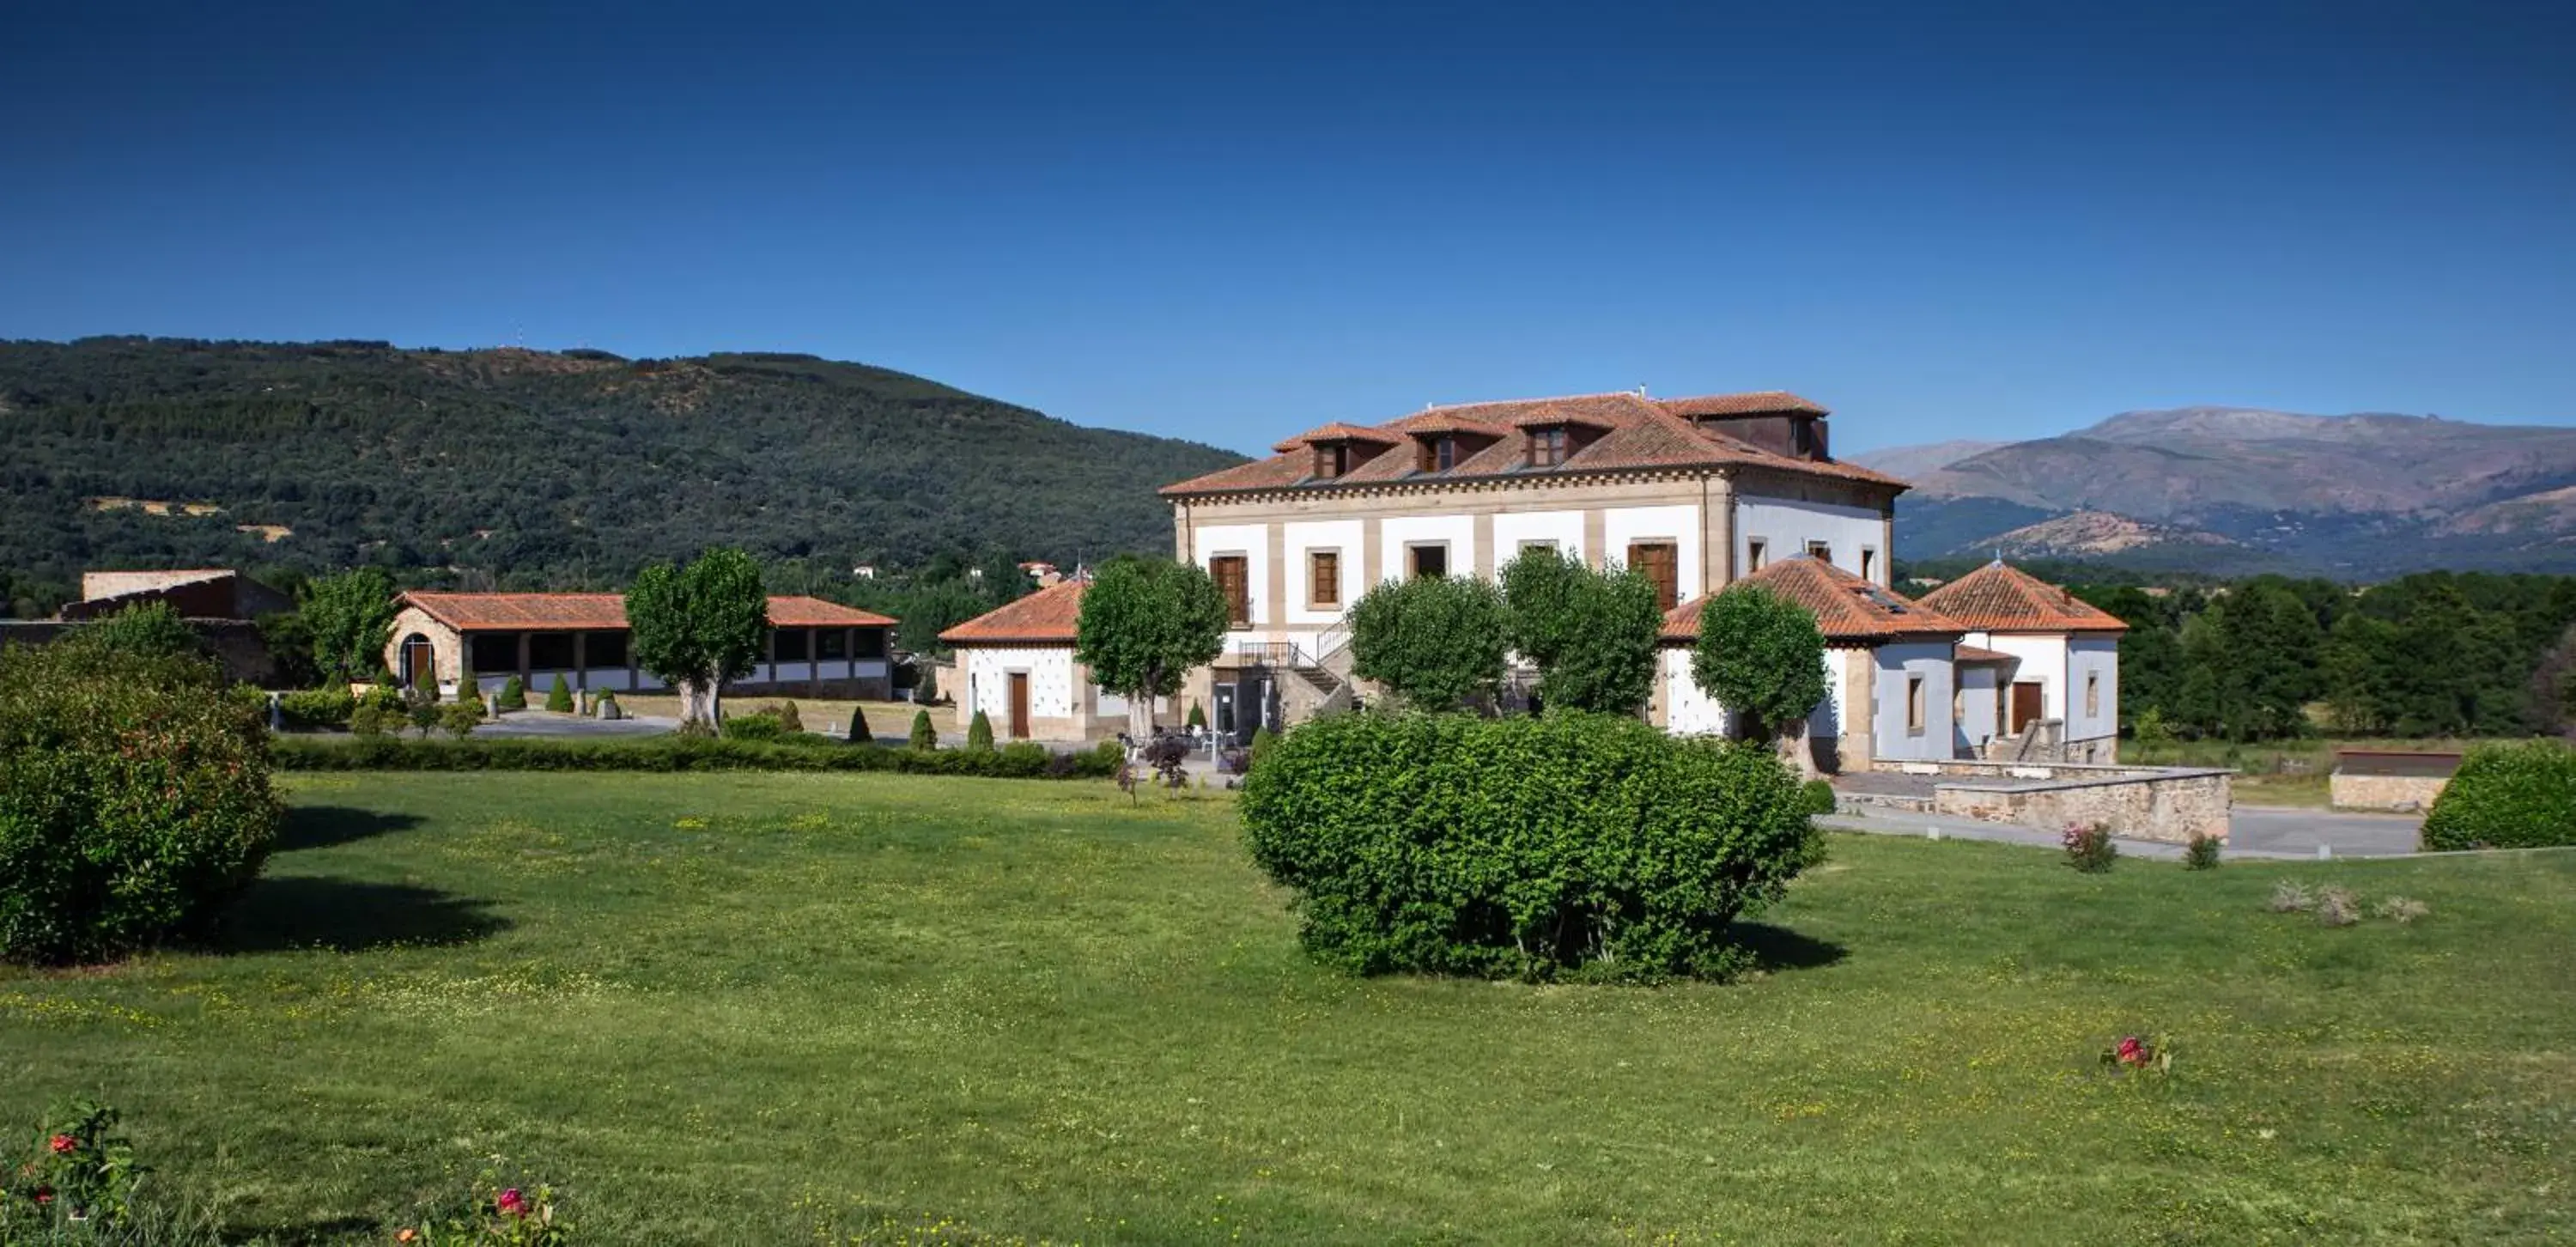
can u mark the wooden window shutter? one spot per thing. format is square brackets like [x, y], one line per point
[1324, 586]
[1660, 564]
[1228, 573]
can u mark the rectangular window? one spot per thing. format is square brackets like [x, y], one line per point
[1547, 447]
[1439, 454]
[1429, 561]
[1324, 578]
[1540, 544]
[495, 653]
[1332, 459]
[1660, 563]
[2092, 693]
[1820, 551]
[871, 643]
[832, 644]
[1757, 552]
[1869, 564]
[550, 651]
[605, 649]
[1235, 584]
[1914, 704]
[790, 644]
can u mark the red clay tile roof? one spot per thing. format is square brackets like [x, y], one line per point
[1045, 617]
[1971, 653]
[1338, 432]
[2001, 598]
[564, 612]
[1848, 609]
[1637, 434]
[1759, 402]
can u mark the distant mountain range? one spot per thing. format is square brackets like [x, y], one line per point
[2232, 490]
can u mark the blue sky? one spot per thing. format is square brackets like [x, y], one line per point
[1233, 222]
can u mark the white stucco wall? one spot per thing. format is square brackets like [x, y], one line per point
[1785, 527]
[1679, 525]
[1975, 722]
[1394, 535]
[1345, 536]
[988, 684]
[2096, 657]
[1826, 720]
[1687, 710]
[1896, 664]
[1565, 528]
[1252, 541]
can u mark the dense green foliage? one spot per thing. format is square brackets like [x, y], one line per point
[698, 626]
[1590, 631]
[1760, 656]
[1594, 845]
[979, 734]
[2436, 654]
[1434, 642]
[151, 629]
[923, 735]
[757, 725]
[315, 709]
[1817, 796]
[759, 749]
[2507, 796]
[513, 695]
[134, 796]
[347, 620]
[559, 698]
[523, 469]
[1145, 624]
[859, 733]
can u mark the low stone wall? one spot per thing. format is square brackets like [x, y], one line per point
[1978, 768]
[2401, 793]
[2170, 804]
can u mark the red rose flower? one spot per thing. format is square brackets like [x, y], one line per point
[512, 1202]
[65, 1145]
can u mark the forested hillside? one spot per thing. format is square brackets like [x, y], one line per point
[529, 469]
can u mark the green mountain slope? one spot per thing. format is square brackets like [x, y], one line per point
[535, 469]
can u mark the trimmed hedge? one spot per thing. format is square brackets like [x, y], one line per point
[675, 753]
[2520, 795]
[513, 695]
[559, 698]
[1579, 845]
[134, 798]
[1818, 795]
[316, 709]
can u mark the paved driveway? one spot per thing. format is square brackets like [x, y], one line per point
[543, 723]
[2255, 831]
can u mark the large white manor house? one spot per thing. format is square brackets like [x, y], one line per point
[1696, 493]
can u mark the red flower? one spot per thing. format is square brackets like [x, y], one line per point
[44, 1195]
[65, 1145]
[2132, 1052]
[512, 1202]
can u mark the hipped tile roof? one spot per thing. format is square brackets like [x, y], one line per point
[1338, 432]
[1637, 433]
[1972, 653]
[1848, 609]
[1046, 617]
[2001, 598]
[565, 612]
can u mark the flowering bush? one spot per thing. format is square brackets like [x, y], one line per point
[2133, 1055]
[2089, 848]
[81, 1174]
[510, 1215]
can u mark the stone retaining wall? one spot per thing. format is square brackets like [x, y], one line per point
[2404, 793]
[2171, 805]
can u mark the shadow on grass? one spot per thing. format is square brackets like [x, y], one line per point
[347, 916]
[1779, 948]
[321, 826]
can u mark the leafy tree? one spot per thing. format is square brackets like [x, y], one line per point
[2357, 667]
[350, 618]
[1434, 642]
[461, 717]
[1763, 658]
[1590, 633]
[1146, 623]
[148, 630]
[697, 627]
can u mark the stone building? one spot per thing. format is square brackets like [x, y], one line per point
[1016, 664]
[814, 648]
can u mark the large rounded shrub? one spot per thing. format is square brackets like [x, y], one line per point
[1590, 845]
[2507, 796]
[134, 799]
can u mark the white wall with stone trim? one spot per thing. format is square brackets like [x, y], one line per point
[1512, 529]
[2043, 661]
[1678, 526]
[1348, 539]
[2095, 658]
[1785, 527]
[1397, 534]
[1252, 541]
[1974, 724]
[1898, 662]
[987, 674]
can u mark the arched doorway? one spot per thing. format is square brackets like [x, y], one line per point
[419, 662]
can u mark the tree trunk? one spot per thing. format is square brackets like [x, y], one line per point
[1140, 716]
[697, 701]
[1796, 750]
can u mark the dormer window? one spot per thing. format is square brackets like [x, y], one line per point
[1547, 446]
[1332, 459]
[1439, 454]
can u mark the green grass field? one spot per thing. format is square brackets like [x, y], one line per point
[773, 1009]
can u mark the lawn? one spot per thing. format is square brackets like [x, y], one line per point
[817, 1008]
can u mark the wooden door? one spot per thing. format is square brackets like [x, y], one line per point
[2025, 704]
[420, 663]
[1019, 705]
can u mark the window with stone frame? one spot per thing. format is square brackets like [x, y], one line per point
[1323, 578]
[1234, 582]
